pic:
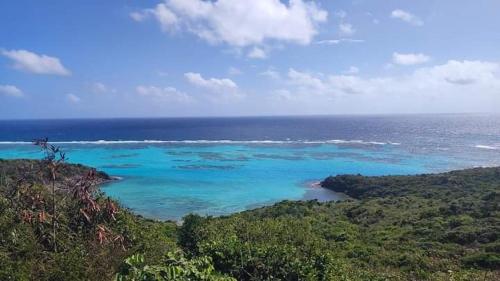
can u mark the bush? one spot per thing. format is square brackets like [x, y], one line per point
[175, 267]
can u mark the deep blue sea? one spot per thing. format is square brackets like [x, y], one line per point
[214, 166]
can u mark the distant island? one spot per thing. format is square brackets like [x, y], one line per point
[424, 227]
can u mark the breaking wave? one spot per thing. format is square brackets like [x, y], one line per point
[489, 147]
[104, 142]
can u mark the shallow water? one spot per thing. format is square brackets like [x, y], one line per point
[167, 181]
[193, 167]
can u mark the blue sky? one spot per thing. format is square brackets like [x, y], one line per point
[70, 59]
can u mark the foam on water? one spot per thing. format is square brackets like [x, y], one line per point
[213, 142]
[489, 147]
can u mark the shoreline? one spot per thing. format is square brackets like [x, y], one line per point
[315, 190]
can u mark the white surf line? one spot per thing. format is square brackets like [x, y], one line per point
[335, 141]
[488, 147]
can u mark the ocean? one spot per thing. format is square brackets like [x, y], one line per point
[170, 167]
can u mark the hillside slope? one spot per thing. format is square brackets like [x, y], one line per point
[424, 227]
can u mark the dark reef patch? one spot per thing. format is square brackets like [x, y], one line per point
[215, 156]
[206, 167]
[118, 156]
[278, 157]
[120, 166]
[179, 153]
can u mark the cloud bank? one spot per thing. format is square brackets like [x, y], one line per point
[457, 86]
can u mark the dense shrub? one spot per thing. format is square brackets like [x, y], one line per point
[174, 267]
[87, 249]
[424, 227]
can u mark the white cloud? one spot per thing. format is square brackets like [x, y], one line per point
[271, 73]
[352, 70]
[167, 19]
[73, 98]
[31, 62]
[407, 17]
[453, 77]
[463, 73]
[101, 88]
[213, 84]
[257, 53]
[306, 82]
[338, 41]
[346, 29]
[240, 23]
[168, 93]
[454, 86]
[11, 91]
[281, 95]
[409, 59]
[216, 90]
[139, 16]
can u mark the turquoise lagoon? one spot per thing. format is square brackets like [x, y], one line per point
[171, 179]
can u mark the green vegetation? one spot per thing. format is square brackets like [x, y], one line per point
[174, 267]
[87, 248]
[425, 227]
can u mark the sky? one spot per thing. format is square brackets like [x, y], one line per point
[117, 58]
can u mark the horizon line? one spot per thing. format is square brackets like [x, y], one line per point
[248, 116]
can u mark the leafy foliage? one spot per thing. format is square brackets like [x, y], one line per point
[174, 267]
[425, 227]
[94, 234]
